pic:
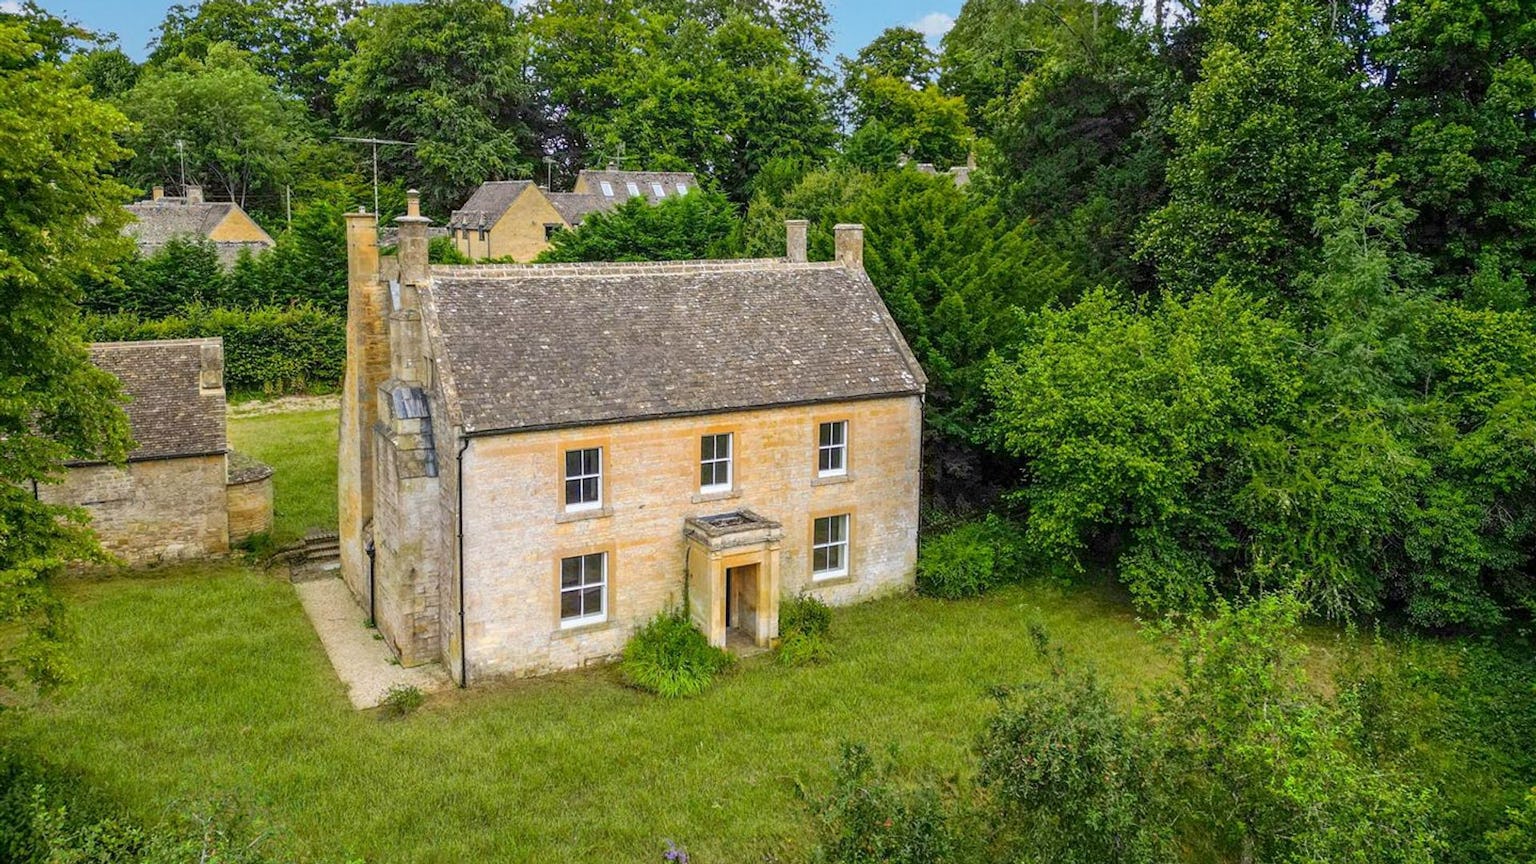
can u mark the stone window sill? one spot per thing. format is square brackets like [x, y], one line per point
[830, 581]
[832, 480]
[583, 515]
[585, 629]
[703, 497]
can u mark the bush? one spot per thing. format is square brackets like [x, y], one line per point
[266, 350]
[803, 625]
[401, 699]
[868, 819]
[670, 657]
[969, 560]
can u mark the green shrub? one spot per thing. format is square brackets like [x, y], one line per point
[867, 819]
[401, 699]
[804, 622]
[969, 560]
[268, 349]
[670, 657]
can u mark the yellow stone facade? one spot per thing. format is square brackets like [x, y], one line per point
[521, 233]
[517, 529]
[237, 227]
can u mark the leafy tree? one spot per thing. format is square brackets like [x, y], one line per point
[297, 43]
[236, 132]
[1270, 133]
[693, 226]
[1460, 86]
[450, 76]
[901, 53]
[109, 71]
[61, 222]
[705, 87]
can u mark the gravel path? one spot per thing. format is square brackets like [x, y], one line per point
[362, 662]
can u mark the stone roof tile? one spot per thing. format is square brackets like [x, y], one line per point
[170, 411]
[551, 345]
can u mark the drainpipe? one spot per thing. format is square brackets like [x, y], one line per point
[463, 644]
[373, 617]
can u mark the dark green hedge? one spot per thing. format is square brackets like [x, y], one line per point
[266, 350]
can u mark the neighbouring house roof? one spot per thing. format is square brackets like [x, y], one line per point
[171, 412]
[486, 206]
[158, 222]
[618, 181]
[573, 207]
[551, 345]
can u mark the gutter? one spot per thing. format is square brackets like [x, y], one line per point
[459, 562]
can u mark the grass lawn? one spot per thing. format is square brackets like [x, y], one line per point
[301, 445]
[208, 681]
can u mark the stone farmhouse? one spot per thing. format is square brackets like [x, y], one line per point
[537, 459]
[182, 493]
[516, 219]
[164, 217]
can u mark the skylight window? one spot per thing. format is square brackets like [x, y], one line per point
[634, 191]
[658, 191]
[682, 188]
[607, 188]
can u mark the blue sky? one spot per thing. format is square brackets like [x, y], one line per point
[854, 22]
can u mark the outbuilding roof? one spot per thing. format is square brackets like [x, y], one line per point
[573, 207]
[170, 410]
[489, 202]
[157, 222]
[552, 345]
[671, 183]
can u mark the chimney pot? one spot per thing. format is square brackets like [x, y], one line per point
[194, 194]
[850, 244]
[794, 240]
[412, 202]
[157, 193]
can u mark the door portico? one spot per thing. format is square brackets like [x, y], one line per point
[733, 576]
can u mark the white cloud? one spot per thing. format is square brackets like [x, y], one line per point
[933, 25]
[11, 7]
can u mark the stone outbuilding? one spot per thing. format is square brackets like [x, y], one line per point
[516, 219]
[180, 494]
[225, 224]
[535, 460]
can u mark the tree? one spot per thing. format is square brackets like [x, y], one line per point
[451, 77]
[705, 87]
[61, 223]
[297, 43]
[697, 225]
[1272, 129]
[109, 71]
[234, 129]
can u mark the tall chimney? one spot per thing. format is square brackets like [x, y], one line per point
[850, 244]
[412, 246]
[367, 365]
[157, 193]
[194, 194]
[794, 240]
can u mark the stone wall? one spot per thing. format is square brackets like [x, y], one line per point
[249, 497]
[516, 530]
[154, 510]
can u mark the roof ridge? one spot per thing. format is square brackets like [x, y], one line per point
[610, 268]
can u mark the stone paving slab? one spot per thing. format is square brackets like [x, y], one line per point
[361, 661]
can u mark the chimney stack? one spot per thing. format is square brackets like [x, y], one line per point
[157, 193]
[850, 244]
[794, 240]
[412, 246]
[194, 194]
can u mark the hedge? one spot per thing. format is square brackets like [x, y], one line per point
[268, 350]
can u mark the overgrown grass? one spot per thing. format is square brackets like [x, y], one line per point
[208, 681]
[301, 445]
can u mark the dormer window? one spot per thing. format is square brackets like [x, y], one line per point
[607, 188]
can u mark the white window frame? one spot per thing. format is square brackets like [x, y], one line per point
[634, 191]
[843, 546]
[581, 586]
[582, 474]
[658, 190]
[607, 188]
[729, 461]
[682, 188]
[838, 447]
